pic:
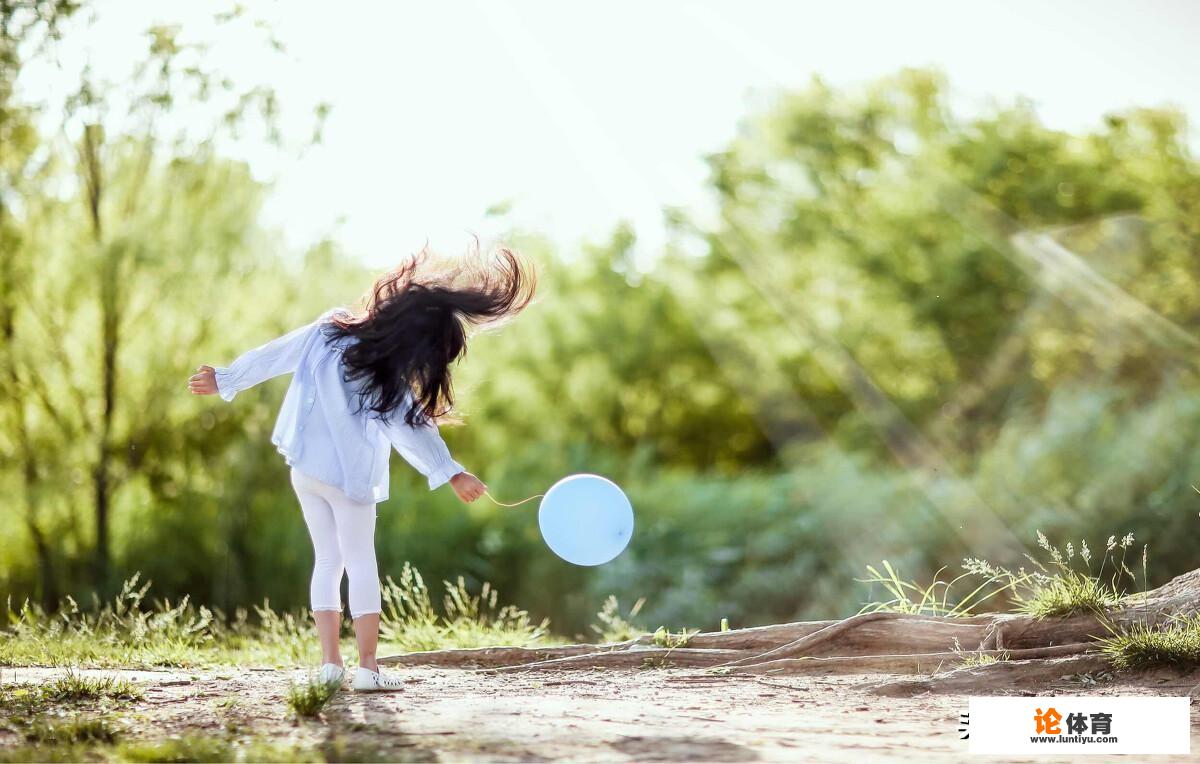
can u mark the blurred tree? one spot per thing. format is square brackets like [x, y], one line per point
[22, 25]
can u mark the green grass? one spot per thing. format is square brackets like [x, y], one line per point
[1175, 644]
[130, 631]
[1067, 593]
[76, 687]
[1064, 584]
[1061, 588]
[81, 729]
[938, 597]
[613, 626]
[409, 622]
[666, 639]
[67, 711]
[307, 699]
[190, 748]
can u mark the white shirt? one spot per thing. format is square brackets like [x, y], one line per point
[319, 430]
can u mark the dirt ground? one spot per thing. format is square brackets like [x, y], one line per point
[644, 716]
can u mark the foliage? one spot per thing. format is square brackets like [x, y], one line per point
[949, 329]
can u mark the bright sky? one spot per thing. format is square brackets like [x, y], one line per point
[583, 115]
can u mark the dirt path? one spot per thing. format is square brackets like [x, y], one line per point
[645, 716]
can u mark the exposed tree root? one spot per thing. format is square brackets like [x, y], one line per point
[1028, 650]
[997, 677]
[906, 663]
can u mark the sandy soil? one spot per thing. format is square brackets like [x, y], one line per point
[645, 716]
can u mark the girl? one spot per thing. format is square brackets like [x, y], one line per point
[361, 385]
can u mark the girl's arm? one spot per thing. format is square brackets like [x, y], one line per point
[279, 356]
[422, 447]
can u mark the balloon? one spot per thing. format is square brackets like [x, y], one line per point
[586, 519]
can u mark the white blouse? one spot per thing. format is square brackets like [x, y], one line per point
[320, 431]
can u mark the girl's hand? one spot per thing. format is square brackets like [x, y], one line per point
[467, 486]
[204, 381]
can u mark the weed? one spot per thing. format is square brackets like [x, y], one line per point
[189, 748]
[76, 687]
[1176, 643]
[82, 729]
[664, 638]
[409, 622]
[972, 659]
[613, 626]
[1064, 585]
[307, 699]
[935, 598]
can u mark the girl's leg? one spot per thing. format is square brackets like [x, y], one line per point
[324, 594]
[366, 634]
[356, 534]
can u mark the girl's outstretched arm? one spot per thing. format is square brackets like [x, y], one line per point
[422, 447]
[279, 356]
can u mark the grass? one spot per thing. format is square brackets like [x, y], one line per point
[613, 626]
[935, 598]
[81, 729]
[131, 631]
[76, 687]
[410, 623]
[193, 748]
[1061, 588]
[67, 711]
[1064, 584]
[307, 699]
[666, 639]
[1175, 644]
[971, 659]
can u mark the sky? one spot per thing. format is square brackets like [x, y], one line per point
[582, 115]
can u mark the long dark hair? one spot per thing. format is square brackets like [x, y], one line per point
[416, 325]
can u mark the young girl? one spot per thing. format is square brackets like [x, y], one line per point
[361, 385]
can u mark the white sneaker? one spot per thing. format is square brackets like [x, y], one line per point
[331, 673]
[366, 680]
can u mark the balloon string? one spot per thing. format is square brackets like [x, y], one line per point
[517, 504]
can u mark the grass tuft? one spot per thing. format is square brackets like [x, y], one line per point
[83, 729]
[614, 627]
[1175, 644]
[131, 632]
[78, 687]
[189, 748]
[664, 638]
[307, 699]
[409, 622]
[1065, 584]
[973, 659]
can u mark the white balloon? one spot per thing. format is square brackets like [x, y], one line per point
[586, 519]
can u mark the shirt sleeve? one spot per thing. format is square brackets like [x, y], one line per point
[422, 447]
[279, 356]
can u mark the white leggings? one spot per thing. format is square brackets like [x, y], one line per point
[343, 537]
